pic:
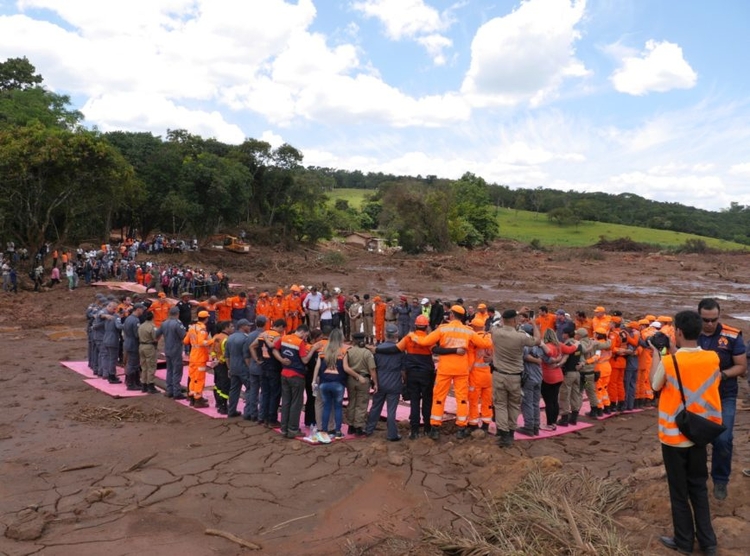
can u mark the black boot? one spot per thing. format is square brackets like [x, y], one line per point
[144, 388]
[563, 420]
[607, 410]
[573, 418]
[486, 427]
[151, 388]
[414, 433]
[130, 383]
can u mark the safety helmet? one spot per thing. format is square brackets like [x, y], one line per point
[422, 321]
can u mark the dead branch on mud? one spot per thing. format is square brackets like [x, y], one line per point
[233, 538]
[557, 513]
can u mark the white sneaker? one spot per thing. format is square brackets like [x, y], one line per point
[323, 437]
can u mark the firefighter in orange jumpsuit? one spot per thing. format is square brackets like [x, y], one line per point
[199, 342]
[378, 309]
[263, 308]
[545, 320]
[454, 340]
[480, 380]
[139, 275]
[224, 310]
[644, 395]
[160, 308]
[293, 312]
[582, 321]
[600, 319]
[603, 368]
[276, 309]
[620, 351]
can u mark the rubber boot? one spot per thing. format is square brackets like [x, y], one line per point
[130, 383]
[486, 427]
[151, 388]
[563, 420]
[144, 388]
[607, 410]
[573, 418]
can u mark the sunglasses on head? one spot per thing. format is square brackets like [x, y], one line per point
[704, 319]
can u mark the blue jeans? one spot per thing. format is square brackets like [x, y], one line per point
[270, 395]
[333, 399]
[252, 390]
[721, 458]
[174, 374]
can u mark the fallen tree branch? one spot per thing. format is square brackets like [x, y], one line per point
[233, 538]
[141, 463]
[79, 467]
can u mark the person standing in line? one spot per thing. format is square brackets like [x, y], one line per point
[109, 322]
[199, 342]
[253, 390]
[130, 346]
[685, 463]
[368, 314]
[236, 348]
[570, 389]
[361, 360]
[727, 342]
[388, 380]
[261, 351]
[506, 376]
[174, 334]
[531, 384]
[311, 306]
[224, 329]
[147, 352]
[354, 312]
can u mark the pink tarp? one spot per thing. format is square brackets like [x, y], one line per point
[162, 374]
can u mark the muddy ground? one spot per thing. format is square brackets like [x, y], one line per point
[71, 482]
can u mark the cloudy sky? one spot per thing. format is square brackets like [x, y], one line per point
[642, 96]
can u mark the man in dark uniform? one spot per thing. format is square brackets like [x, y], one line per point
[173, 333]
[727, 342]
[130, 346]
[388, 382]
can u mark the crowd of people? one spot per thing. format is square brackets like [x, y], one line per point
[305, 350]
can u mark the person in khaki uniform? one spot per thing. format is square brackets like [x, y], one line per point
[507, 362]
[147, 341]
[362, 361]
[368, 313]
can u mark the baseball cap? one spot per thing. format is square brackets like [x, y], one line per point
[240, 323]
[600, 309]
[391, 329]
[458, 309]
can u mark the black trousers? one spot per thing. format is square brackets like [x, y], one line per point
[419, 385]
[551, 397]
[221, 384]
[687, 475]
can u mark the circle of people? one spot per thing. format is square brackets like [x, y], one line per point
[308, 348]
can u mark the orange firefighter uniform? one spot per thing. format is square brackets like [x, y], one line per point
[199, 342]
[616, 386]
[643, 391]
[452, 369]
[480, 379]
[293, 312]
[378, 310]
[603, 367]
[160, 308]
[276, 309]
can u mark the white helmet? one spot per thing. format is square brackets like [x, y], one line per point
[336, 290]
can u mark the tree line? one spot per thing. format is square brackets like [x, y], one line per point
[61, 182]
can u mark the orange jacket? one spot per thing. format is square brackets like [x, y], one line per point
[545, 321]
[292, 305]
[199, 342]
[276, 308]
[454, 334]
[698, 372]
[160, 308]
[378, 310]
[223, 311]
[604, 321]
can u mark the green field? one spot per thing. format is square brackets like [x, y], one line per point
[526, 226]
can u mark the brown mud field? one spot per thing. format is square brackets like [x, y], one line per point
[84, 474]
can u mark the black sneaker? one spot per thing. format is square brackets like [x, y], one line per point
[462, 433]
[435, 433]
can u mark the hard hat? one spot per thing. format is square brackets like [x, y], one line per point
[422, 321]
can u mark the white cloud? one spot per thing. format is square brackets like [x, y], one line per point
[151, 112]
[525, 56]
[660, 67]
[412, 19]
[273, 139]
[740, 169]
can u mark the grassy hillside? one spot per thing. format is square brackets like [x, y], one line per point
[527, 226]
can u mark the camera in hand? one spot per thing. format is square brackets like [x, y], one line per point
[660, 341]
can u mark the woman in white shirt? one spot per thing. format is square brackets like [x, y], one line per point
[326, 311]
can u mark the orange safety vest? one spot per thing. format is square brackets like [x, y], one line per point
[454, 334]
[699, 371]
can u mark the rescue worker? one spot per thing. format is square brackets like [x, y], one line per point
[644, 395]
[263, 308]
[276, 307]
[293, 352]
[480, 378]
[160, 309]
[452, 368]
[600, 319]
[185, 307]
[388, 381]
[631, 364]
[570, 391]
[212, 306]
[603, 369]
[507, 359]
[293, 312]
[94, 335]
[586, 367]
[199, 342]
[238, 304]
[620, 352]
[261, 351]
[252, 389]
[379, 310]
[224, 329]
[545, 320]
[147, 341]
[223, 310]
[582, 321]
[684, 462]
[728, 343]
[174, 335]
[419, 369]
[667, 327]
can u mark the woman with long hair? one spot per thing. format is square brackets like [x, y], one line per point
[552, 377]
[331, 370]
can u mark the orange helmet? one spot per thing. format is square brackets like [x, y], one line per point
[422, 321]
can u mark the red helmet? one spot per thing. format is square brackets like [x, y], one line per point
[422, 321]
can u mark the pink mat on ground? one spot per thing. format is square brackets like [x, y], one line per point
[114, 390]
[210, 411]
[82, 368]
[128, 286]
